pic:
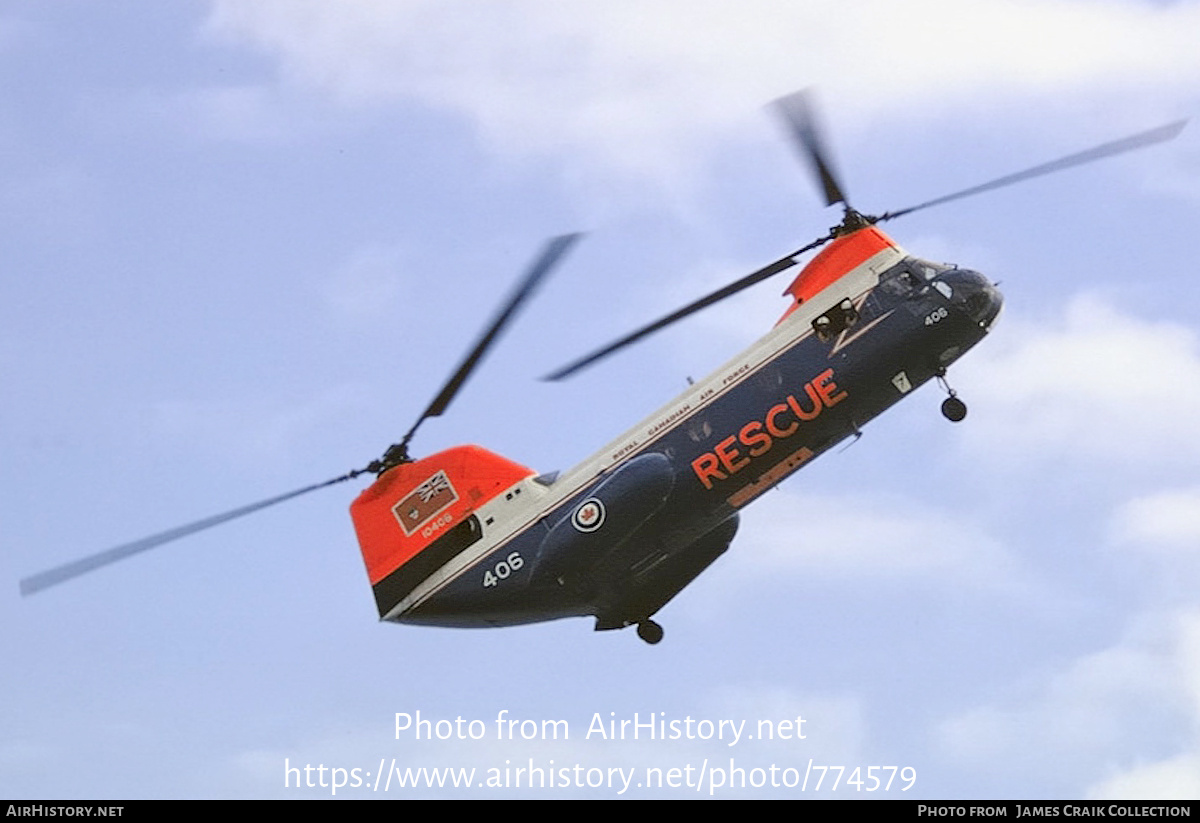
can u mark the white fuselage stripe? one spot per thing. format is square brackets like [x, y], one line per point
[791, 331]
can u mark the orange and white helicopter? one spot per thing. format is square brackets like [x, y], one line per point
[468, 538]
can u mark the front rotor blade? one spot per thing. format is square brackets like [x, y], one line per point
[799, 115]
[746, 282]
[1136, 141]
[67, 571]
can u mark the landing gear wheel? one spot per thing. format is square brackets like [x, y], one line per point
[954, 409]
[650, 631]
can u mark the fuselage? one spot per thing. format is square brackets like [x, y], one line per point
[621, 533]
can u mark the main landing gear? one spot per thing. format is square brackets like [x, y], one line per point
[953, 409]
[650, 631]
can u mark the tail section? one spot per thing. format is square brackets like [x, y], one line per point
[419, 515]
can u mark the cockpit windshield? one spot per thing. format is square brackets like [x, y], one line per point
[926, 269]
[899, 282]
[912, 273]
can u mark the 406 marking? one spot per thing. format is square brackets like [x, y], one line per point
[939, 314]
[502, 569]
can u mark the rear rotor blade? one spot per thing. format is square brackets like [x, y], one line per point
[746, 282]
[545, 262]
[1136, 141]
[799, 114]
[67, 571]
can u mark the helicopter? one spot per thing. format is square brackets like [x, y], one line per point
[468, 538]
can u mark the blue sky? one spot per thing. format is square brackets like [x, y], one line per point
[245, 242]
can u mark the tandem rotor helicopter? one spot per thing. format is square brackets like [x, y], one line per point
[467, 538]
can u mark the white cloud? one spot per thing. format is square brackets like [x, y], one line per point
[1087, 706]
[1177, 778]
[874, 535]
[1095, 384]
[1113, 711]
[1168, 520]
[641, 85]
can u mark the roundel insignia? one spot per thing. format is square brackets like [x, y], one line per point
[589, 516]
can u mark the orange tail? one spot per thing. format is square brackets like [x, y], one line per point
[409, 508]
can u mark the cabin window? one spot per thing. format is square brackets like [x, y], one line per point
[836, 320]
[769, 378]
[901, 283]
[699, 430]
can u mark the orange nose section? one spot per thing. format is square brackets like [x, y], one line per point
[840, 256]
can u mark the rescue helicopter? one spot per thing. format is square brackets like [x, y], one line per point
[468, 538]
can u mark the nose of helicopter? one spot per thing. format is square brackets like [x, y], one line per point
[975, 295]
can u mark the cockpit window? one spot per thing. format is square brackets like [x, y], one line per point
[910, 275]
[926, 269]
[900, 282]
